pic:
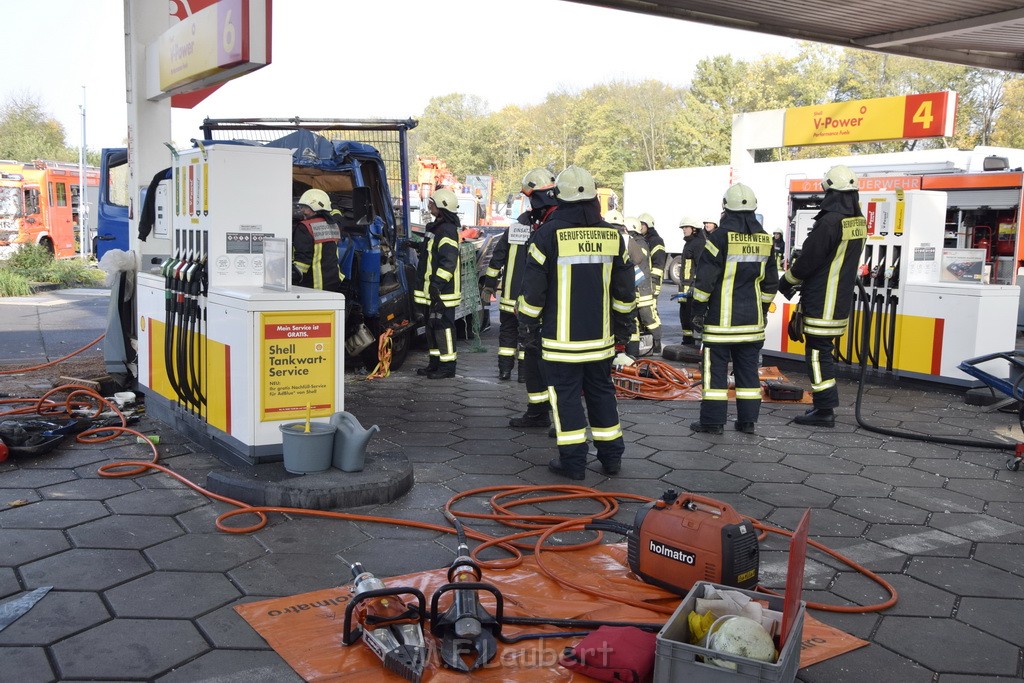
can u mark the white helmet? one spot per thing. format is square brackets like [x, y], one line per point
[690, 221]
[840, 178]
[646, 218]
[632, 224]
[575, 184]
[739, 197]
[615, 217]
[445, 199]
[538, 179]
[316, 200]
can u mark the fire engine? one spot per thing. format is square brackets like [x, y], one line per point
[40, 203]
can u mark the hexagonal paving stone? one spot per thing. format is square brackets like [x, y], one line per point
[867, 664]
[205, 552]
[34, 478]
[702, 481]
[484, 464]
[225, 628]
[978, 528]
[790, 495]
[24, 545]
[391, 563]
[822, 522]
[744, 452]
[26, 665]
[52, 514]
[169, 501]
[873, 456]
[311, 536]
[989, 490]
[171, 595]
[8, 582]
[916, 598]
[681, 460]
[289, 573]
[122, 648]
[903, 476]
[13, 498]
[490, 448]
[963, 650]
[1001, 618]
[89, 489]
[881, 511]
[56, 616]
[422, 439]
[133, 532]
[85, 569]
[234, 666]
[675, 443]
[914, 540]
[938, 500]
[820, 464]
[849, 485]
[767, 472]
[1005, 556]
[967, 577]
[874, 556]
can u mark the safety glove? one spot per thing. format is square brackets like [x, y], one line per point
[622, 359]
[485, 295]
[529, 336]
[787, 288]
[697, 323]
[435, 299]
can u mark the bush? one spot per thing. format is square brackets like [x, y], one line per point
[13, 284]
[33, 263]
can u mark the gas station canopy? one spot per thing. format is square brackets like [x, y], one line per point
[979, 33]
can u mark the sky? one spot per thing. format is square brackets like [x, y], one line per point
[357, 58]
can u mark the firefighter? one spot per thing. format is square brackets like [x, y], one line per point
[693, 245]
[507, 261]
[735, 284]
[710, 225]
[577, 307]
[315, 237]
[439, 283]
[825, 274]
[656, 248]
[647, 320]
[538, 185]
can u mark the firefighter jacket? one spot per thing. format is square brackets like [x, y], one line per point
[692, 248]
[640, 257]
[827, 267]
[315, 252]
[438, 264]
[578, 285]
[656, 247]
[508, 259]
[736, 280]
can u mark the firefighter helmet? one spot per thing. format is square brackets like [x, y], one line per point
[445, 199]
[315, 199]
[840, 178]
[633, 224]
[691, 222]
[647, 218]
[615, 217]
[739, 197]
[538, 179]
[575, 184]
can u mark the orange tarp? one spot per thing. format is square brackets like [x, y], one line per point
[306, 630]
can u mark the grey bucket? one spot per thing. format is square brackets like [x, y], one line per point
[305, 453]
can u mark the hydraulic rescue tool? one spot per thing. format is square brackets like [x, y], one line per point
[681, 539]
[391, 628]
[466, 628]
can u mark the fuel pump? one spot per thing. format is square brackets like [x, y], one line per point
[917, 324]
[222, 357]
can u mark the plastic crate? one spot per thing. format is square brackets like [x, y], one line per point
[677, 660]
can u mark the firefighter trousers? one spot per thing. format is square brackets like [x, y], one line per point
[686, 319]
[821, 368]
[566, 381]
[536, 385]
[508, 340]
[441, 336]
[714, 404]
[648, 319]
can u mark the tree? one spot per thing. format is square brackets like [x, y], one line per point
[27, 132]
[1009, 127]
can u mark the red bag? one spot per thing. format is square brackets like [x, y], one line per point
[613, 653]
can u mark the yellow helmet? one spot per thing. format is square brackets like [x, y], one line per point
[316, 200]
[840, 178]
[445, 199]
[739, 197]
[633, 224]
[615, 217]
[538, 179]
[575, 184]
[690, 221]
[647, 218]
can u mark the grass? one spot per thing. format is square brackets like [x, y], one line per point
[33, 263]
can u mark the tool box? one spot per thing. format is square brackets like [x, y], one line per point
[677, 660]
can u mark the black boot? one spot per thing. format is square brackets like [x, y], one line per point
[817, 417]
[505, 368]
[559, 469]
[657, 347]
[443, 371]
[746, 427]
[520, 377]
[707, 429]
[431, 367]
[531, 419]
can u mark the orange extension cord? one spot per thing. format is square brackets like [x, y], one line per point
[383, 368]
[502, 501]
